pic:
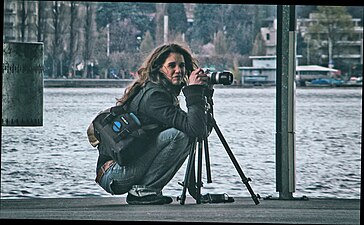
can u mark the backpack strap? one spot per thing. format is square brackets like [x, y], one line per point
[124, 109]
[147, 127]
[117, 110]
[113, 112]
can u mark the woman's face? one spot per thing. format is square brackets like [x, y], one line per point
[174, 68]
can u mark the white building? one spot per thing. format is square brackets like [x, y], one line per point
[313, 72]
[350, 44]
[263, 71]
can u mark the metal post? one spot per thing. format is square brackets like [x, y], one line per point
[108, 40]
[285, 101]
[22, 84]
[165, 30]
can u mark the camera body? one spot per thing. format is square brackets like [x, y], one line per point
[225, 77]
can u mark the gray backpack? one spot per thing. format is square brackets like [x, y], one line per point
[121, 133]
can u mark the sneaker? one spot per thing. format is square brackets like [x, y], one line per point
[148, 200]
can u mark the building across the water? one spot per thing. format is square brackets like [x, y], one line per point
[263, 72]
[313, 72]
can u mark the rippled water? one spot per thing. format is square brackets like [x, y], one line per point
[56, 160]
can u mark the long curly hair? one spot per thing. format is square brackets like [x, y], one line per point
[150, 70]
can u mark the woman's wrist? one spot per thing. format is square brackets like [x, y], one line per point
[194, 94]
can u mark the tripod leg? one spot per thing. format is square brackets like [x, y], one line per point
[235, 162]
[199, 172]
[189, 171]
[207, 161]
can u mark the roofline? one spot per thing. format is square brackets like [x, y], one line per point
[268, 56]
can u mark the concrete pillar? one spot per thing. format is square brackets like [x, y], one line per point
[22, 84]
[285, 101]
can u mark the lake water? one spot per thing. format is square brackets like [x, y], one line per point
[56, 160]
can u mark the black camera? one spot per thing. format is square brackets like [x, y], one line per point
[225, 78]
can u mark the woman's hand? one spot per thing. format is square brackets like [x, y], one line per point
[198, 77]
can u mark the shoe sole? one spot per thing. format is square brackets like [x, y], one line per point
[156, 202]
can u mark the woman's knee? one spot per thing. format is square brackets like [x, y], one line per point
[173, 139]
[172, 134]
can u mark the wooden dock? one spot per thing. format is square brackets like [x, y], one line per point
[243, 210]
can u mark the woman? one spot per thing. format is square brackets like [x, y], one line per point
[152, 97]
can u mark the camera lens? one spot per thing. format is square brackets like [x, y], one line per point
[225, 78]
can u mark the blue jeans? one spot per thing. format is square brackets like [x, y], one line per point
[151, 171]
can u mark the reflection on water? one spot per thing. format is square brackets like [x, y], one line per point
[56, 160]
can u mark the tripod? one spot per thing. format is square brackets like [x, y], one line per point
[196, 191]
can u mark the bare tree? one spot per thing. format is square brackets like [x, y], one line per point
[74, 36]
[160, 22]
[333, 24]
[23, 20]
[57, 37]
[59, 20]
[41, 21]
[89, 37]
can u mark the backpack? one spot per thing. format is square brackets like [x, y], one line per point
[120, 132]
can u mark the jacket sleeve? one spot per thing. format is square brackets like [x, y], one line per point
[209, 93]
[160, 107]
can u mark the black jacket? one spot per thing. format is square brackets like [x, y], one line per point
[156, 104]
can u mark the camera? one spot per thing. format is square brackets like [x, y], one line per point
[225, 77]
